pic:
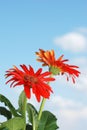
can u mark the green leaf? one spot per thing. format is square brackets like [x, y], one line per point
[22, 103]
[5, 112]
[32, 115]
[4, 128]
[8, 104]
[32, 112]
[16, 123]
[47, 121]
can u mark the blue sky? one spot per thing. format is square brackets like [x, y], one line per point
[26, 26]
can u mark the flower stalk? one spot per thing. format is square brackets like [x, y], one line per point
[41, 108]
[24, 111]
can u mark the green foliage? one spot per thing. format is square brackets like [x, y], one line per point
[5, 112]
[8, 104]
[32, 113]
[4, 128]
[16, 123]
[22, 103]
[47, 121]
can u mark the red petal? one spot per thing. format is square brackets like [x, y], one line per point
[24, 67]
[48, 79]
[37, 95]
[46, 86]
[73, 80]
[45, 74]
[60, 58]
[43, 91]
[27, 91]
[31, 70]
[38, 72]
[36, 92]
[17, 84]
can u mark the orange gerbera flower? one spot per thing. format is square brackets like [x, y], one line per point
[47, 57]
[57, 66]
[30, 80]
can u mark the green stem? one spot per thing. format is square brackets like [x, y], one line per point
[24, 110]
[41, 108]
[33, 124]
[42, 105]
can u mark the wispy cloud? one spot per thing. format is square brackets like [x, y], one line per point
[72, 41]
[71, 114]
[82, 83]
[64, 103]
[82, 30]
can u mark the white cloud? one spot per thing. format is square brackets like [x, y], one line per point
[64, 102]
[82, 30]
[82, 83]
[72, 41]
[70, 114]
[73, 119]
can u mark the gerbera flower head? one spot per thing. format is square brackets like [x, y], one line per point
[46, 57]
[57, 66]
[37, 81]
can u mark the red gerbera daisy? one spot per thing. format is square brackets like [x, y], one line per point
[57, 66]
[30, 80]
